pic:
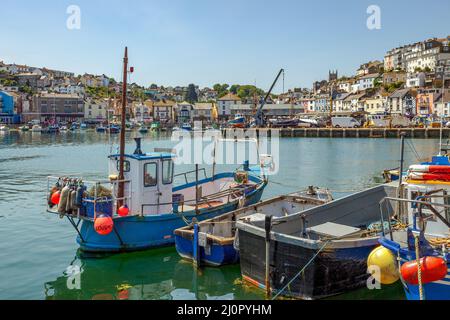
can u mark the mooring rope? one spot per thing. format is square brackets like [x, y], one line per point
[301, 271]
[419, 267]
[296, 187]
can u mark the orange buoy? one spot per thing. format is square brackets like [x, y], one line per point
[103, 225]
[433, 269]
[55, 197]
[123, 211]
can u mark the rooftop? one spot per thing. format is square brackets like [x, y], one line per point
[58, 95]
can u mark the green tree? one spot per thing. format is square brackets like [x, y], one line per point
[191, 94]
[234, 88]
[221, 89]
[248, 91]
[26, 89]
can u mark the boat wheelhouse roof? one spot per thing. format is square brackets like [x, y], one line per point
[147, 156]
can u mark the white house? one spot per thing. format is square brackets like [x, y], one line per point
[203, 111]
[345, 85]
[427, 54]
[95, 110]
[224, 103]
[183, 111]
[442, 106]
[367, 81]
[16, 68]
[415, 80]
[402, 101]
[338, 102]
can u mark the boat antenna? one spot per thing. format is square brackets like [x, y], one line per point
[122, 131]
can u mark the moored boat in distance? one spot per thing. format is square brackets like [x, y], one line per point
[238, 122]
[113, 129]
[143, 129]
[36, 128]
[186, 127]
[54, 128]
[284, 123]
[101, 128]
[217, 246]
[155, 126]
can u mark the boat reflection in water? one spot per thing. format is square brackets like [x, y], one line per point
[147, 275]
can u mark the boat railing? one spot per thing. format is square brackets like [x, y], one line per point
[96, 199]
[185, 174]
[420, 203]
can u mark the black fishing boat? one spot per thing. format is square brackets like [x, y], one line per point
[317, 253]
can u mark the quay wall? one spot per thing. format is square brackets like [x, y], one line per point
[419, 133]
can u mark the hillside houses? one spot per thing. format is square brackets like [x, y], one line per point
[407, 81]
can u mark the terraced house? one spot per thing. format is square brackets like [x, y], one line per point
[61, 107]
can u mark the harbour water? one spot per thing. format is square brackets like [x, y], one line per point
[38, 252]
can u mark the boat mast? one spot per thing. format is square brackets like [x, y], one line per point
[122, 130]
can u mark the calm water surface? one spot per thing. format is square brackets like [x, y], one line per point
[38, 250]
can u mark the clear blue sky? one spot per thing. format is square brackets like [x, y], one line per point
[178, 42]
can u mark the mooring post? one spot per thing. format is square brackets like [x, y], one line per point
[196, 189]
[196, 249]
[268, 227]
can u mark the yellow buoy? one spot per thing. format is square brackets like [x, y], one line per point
[386, 262]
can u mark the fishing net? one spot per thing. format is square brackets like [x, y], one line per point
[101, 191]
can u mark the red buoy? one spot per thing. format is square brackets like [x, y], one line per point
[123, 211]
[433, 269]
[103, 225]
[56, 196]
[123, 295]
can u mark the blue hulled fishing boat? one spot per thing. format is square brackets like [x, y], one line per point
[138, 207]
[212, 242]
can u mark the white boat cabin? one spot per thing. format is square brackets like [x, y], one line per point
[149, 181]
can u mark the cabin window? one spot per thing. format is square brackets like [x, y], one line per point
[167, 169]
[126, 166]
[150, 174]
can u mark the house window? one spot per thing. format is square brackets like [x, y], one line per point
[150, 174]
[167, 169]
